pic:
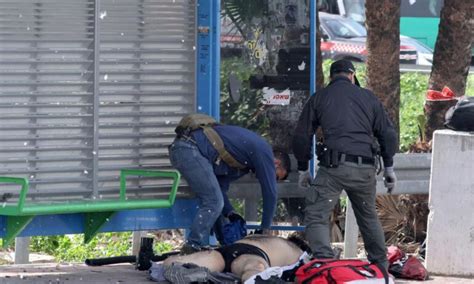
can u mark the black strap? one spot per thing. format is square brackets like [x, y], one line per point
[331, 279]
[379, 164]
[321, 263]
[355, 159]
[384, 272]
[307, 280]
[366, 267]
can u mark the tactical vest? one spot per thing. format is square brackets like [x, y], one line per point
[195, 121]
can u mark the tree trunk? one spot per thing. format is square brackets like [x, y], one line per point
[451, 59]
[383, 46]
[283, 119]
[435, 112]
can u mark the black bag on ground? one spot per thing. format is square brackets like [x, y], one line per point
[461, 116]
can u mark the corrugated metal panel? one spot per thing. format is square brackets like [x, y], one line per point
[147, 83]
[64, 126]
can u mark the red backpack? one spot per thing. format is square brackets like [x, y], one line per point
[339, 271]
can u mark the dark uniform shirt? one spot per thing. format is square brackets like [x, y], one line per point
[250, 150]
[350, 118]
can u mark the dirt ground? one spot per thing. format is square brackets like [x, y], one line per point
[52, 273]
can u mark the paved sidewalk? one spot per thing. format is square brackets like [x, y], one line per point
[52, 273]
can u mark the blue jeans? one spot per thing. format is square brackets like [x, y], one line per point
[199, 174]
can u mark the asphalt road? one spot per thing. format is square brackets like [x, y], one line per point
[422, 69]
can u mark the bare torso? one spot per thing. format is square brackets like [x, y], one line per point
[281, 252]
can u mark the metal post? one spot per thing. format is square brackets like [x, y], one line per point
[208, 57]
[22, 250]
[312, 39]
[251, 209]
[136, 240]
[96, 86]
[312, 64]
[351, 233]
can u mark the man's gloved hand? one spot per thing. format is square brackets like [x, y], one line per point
[389, 179]
[304, 179]
[233, 217]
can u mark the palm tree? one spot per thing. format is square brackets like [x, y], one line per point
[396, 213]
[383, 46]
[451, 59]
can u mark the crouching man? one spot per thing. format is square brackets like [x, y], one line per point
[247, 257]
[210, 156]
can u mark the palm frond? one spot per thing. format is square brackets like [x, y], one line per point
[403, 218]
[242, 12]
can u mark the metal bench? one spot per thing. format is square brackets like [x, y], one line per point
[97, 212]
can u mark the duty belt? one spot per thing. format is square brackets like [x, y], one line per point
[356, 159]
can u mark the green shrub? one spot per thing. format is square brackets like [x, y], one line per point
[470, 85]
[48, 244]
[246, 111]
[162, 247]
[413, 87]
[71, 248]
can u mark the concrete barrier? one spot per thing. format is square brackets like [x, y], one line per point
[413, 174]
[450, 236]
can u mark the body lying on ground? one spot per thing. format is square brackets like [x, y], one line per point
[248, 256]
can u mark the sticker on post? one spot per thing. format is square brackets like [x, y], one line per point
[274, 97]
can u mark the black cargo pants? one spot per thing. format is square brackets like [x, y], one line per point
[358, 180]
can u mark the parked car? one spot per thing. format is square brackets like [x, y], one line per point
[424, 52]
[345, 38]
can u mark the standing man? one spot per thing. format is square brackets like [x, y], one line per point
[351, 118]
[210, 156]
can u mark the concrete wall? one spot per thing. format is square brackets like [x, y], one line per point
[450, 240]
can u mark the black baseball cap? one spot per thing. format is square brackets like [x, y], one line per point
[343, 65]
